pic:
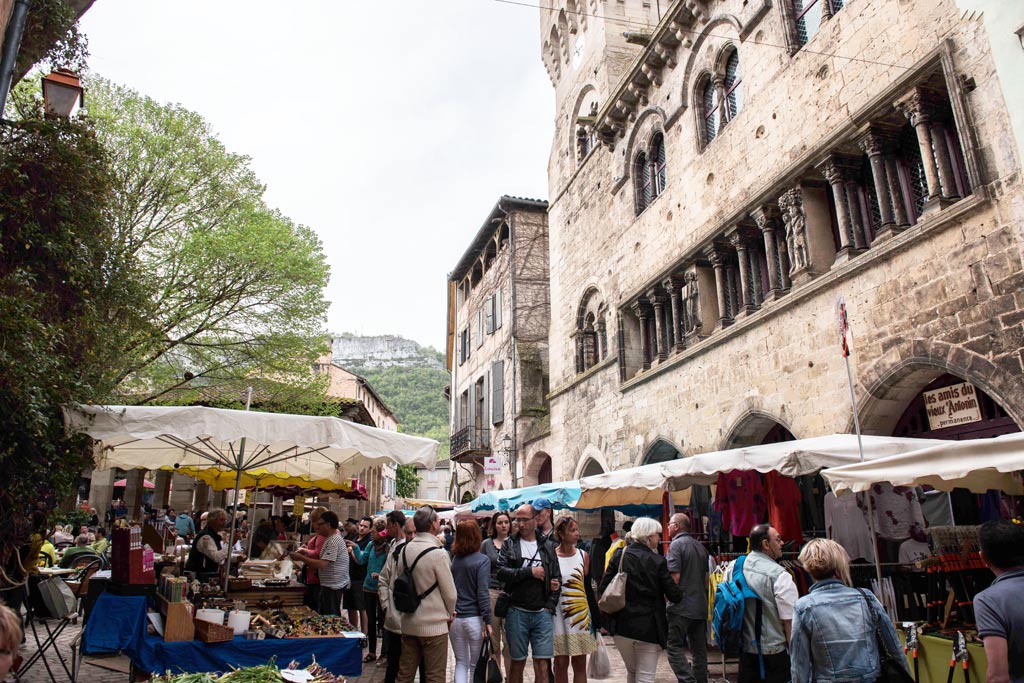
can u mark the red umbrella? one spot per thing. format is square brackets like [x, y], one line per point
[146, 483]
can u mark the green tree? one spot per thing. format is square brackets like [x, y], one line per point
[70, 300]
[235, 289]
[406, 481]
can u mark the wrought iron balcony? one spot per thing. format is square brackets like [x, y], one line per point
[471, 443]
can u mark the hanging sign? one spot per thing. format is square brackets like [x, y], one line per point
[300, 506]
[954, 405]
[492, 465]
[844, 325]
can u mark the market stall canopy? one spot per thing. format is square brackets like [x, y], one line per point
[977, 464]
[563, 494]
[645, 485]
[271, 448]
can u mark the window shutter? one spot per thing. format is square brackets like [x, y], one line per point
[471, 411]
[489, 308]
[497, 309]
[479, 329]
[733, 89]
[710, 107]
[497, 392]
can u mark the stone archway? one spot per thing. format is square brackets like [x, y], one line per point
[756, 428]
[892, 386]
[591, 522]
[660, 451]
[539, 470]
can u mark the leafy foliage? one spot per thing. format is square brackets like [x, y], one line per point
[416, 395]
[51, 34]
[406, 481]
[235, 289]
[69, 302]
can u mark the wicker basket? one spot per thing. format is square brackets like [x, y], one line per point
[209, 632]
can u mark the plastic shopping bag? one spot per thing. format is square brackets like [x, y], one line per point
[600, 667]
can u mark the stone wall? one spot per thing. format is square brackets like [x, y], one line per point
[941, 296]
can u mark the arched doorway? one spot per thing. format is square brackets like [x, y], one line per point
[950, 408]
[660, 451]
[591, 523]
[539, 470]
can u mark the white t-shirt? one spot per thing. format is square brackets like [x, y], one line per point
[531, 558]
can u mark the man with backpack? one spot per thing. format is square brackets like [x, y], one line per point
[767, 597]
[423, 593]
[528, 566]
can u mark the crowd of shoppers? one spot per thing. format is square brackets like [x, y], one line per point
[528, 586]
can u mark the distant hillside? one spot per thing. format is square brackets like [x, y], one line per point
[409, 377]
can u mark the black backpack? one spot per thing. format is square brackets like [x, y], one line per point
[403, 592]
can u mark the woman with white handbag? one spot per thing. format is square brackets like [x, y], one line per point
[633, 593]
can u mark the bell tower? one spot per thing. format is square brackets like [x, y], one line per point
[586, 46]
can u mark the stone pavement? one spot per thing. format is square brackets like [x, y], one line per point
[114, 669]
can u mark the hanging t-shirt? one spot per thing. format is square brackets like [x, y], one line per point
[845, 524]
[739, 496]
[783, 498]
[897, 511]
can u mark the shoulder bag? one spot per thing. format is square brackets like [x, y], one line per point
[614, 597]
[891, 670]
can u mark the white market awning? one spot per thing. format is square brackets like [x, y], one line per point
[276, 448]
[645, 485]
[976, 464]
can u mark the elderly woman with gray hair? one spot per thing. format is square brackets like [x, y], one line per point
[210, 550]
[835, 625]
[641, 626]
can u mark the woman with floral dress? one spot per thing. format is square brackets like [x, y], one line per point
[574, 638]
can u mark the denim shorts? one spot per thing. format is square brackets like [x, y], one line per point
[529, 631]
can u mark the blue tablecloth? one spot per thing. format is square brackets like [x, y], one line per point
[118, 624]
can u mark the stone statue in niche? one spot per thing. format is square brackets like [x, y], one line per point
[691, 304]
[795, 219]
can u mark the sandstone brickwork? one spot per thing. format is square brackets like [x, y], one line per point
[888, 133]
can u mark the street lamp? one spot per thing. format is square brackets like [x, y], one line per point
[62, 91]
[509, 452]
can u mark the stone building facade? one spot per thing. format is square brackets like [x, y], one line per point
[721, 173]
[497, 350]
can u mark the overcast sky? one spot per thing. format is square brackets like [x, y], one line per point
[391, 128]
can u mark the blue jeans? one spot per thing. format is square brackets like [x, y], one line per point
[529, 631]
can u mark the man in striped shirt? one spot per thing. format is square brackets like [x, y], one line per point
[331, 566]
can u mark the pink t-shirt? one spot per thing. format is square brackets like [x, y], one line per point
[313, 545]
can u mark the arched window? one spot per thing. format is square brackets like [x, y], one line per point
[591, 332]
[722, 96]
[651, 173]
[733, 86]
[709, 98]
[659, 171]
[644, 188]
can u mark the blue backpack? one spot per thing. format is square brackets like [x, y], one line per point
[727, 619]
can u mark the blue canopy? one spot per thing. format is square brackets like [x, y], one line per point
[563, 494]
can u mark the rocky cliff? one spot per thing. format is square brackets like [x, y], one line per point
[349, 350]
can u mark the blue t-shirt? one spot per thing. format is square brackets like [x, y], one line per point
[999, 612]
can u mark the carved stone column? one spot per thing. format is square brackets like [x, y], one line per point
[943, 161]
[720, 96]
[602, 339]
[658, 300]
[674, 285]
[837, 168]
[739, 243]
[717, 259]
[875, 143]
[767, 219]
[784, 263]
[640, 311]
[858, 221]
[892, 177]
[917, 105]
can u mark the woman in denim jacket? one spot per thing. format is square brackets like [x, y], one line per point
[834, 625]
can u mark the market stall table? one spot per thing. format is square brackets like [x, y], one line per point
[291, 595]
[118, 624]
